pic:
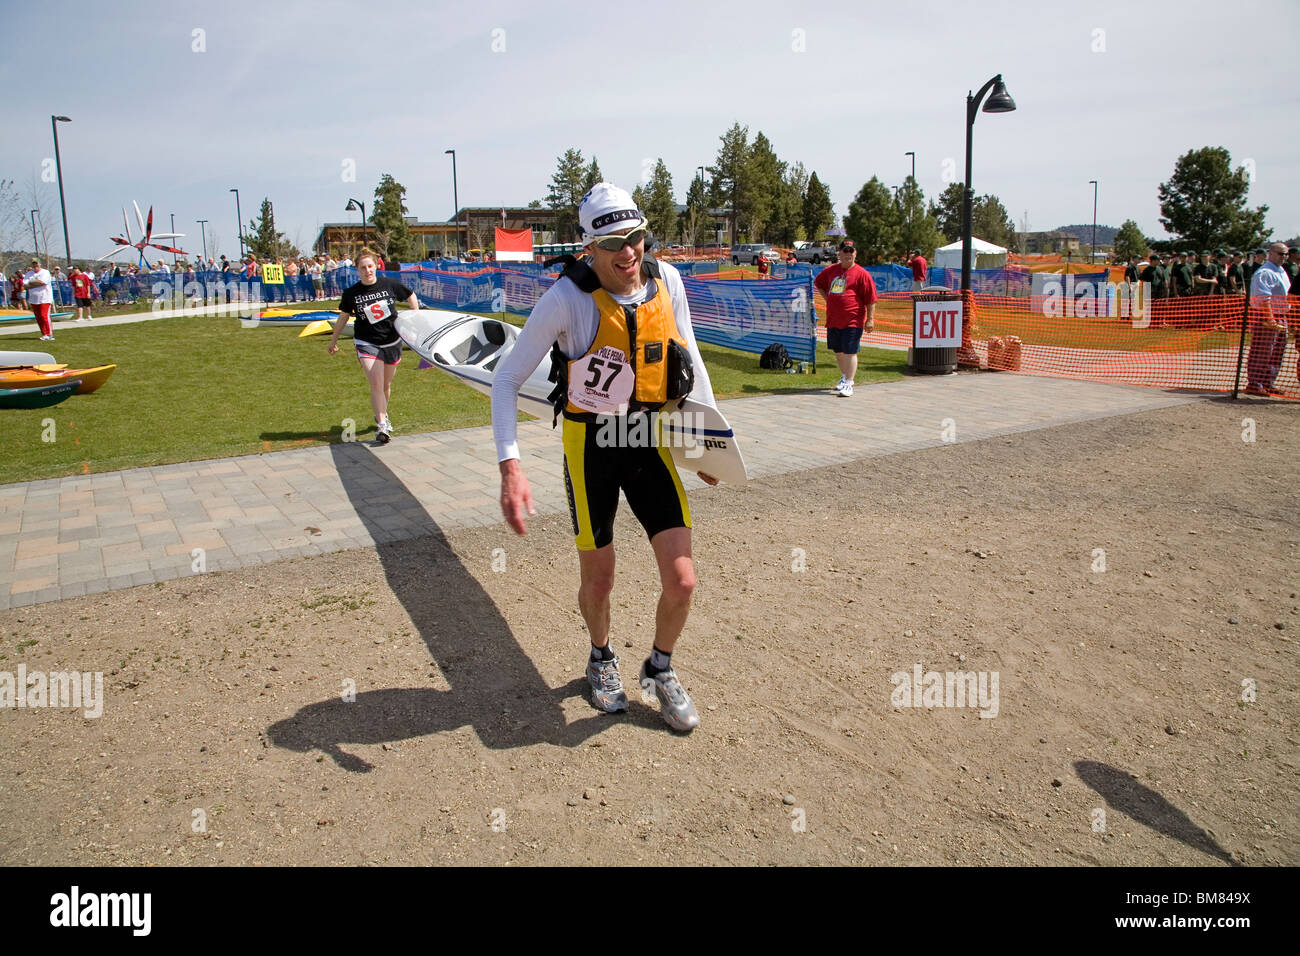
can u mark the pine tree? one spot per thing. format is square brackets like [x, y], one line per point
[947, 211]
[388, 218]
[696, 222]
[568, 186]
[1204, 202]
[763, 174]
[729, 186]
[991, 222]
[787, 212]
[872, 222]
[917, 228]
[658, 203]
[1129, 242]
[593, 175]
[262, 239]
[817, 212]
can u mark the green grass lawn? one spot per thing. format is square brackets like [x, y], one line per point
[194, 387]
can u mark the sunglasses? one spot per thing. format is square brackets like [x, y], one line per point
[616, 243]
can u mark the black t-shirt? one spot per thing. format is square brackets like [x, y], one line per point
[1131, 273]
[374, 307]
[1156, 276]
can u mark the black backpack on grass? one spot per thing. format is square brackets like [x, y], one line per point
[775, 356]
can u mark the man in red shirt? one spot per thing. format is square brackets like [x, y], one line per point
[81, 292]
[850, 308]
[918, 263]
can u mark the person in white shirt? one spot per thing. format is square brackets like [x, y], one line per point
[40, 297]
[621, 330]
[1269, 305]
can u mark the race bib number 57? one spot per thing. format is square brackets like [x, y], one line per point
[601, 382]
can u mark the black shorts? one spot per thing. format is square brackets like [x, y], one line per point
[83, 303]
[844, 341]
[593, 475]
[388, 354]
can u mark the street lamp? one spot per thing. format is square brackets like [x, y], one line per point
[358, 204]
[36, 243]
[913, 155]
[203, 228]
[1092, 253]
[239, 221]
[54, 125]
[455, 200]
[999, 102]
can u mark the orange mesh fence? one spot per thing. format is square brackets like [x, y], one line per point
[1190, 342]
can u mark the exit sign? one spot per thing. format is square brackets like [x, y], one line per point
[936, 325]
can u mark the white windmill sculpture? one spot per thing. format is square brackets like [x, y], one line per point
[147, 235]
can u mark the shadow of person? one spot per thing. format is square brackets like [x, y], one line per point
[494, 686]
[1146, 806]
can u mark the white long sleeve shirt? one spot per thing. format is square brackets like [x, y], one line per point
[569, 316]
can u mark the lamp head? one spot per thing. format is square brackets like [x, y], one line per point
[999, 100]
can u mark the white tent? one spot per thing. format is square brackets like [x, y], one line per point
[984, 255]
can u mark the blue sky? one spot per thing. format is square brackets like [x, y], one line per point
[172, 104]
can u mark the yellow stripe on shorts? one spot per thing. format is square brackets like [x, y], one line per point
[575, 464]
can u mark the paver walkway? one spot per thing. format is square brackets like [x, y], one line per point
[66, 537]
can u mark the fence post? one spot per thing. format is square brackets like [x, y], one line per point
[1241, 344]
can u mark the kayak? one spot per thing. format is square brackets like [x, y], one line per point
[8, 359]
[22, 315]
[284, 318]
[37, 376]
[41, 397]
[326, 325]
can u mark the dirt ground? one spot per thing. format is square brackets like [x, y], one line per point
[1121, 735]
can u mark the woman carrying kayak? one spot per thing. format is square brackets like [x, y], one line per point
[372, 302]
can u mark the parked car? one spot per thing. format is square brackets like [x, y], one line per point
[817, 252]
[751, 252]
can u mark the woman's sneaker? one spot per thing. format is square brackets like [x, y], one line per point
[384, 432]
[674, 703]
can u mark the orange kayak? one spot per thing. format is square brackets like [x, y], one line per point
[37, 376]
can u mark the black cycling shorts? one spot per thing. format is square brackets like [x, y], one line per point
[596, 468]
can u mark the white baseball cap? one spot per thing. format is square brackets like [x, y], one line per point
[607, 210]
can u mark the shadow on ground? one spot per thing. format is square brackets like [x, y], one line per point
[1146, 806]
[467, 637]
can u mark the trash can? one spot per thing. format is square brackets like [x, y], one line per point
[931, 360]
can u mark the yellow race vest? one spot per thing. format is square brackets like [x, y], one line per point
[626, 367]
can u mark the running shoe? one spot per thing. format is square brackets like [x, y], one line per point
[847, 390]
[674, 703]
[839, 386]
[606, 686]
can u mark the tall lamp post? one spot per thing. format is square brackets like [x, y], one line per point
[58, 165]
[1092, 253]
[706, 201]
[455, 200]
[913, 155]
[999, 102]
[36, 243]
[203, 228]
[239, 221]
[358, 204]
